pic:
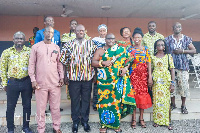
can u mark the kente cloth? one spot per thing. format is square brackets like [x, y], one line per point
[116, 98]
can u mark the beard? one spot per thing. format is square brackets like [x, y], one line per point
[19, 45]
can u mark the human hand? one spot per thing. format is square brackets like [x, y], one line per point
[122, 71]
[107, 63]
[171, 89]
[35, 85]
[66, 80]
[178, 51]
[150, 82]
[61, 82]
[5, 88]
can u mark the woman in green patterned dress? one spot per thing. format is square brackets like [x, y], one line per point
[163, 84]
[116, 98]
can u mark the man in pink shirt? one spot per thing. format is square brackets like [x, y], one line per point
[46, 73]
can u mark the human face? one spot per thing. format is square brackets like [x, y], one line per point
[80, 32]
[152, 27]
[177, 28]
[110, 40]
[102, 32]
[126, 33]
[137, 39]
[49, 21]
[160, 46]
[48, 33]
[73, 25]
[19, 40]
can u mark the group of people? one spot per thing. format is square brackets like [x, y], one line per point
[136, 71]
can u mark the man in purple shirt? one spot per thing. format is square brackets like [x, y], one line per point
[179, 45]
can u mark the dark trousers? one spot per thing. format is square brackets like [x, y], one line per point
[95, 92]
[80, 94]
[14, 88]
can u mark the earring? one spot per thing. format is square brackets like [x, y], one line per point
[164, 49]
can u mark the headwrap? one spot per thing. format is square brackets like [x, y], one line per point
[102, 26]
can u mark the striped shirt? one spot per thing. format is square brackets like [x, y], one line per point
[79, 58]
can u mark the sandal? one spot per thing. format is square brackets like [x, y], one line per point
[142, 125]
[184, 110]
[173, 106]
[170, 127]
[118, 131]
[133, 124]
[155, 125]
[103, 130]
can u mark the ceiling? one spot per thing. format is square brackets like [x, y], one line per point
[185, 9]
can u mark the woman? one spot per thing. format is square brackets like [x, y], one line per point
[163, 84]
[115, 95]
[140, 75]
[125, 32]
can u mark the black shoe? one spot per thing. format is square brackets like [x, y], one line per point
[86, 126]
[75, 128]
[27, 130]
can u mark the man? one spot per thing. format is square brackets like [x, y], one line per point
[67, 37]
[149, 39]
[179, 46]
[48, 21]
[114, 87]
[151, 36]
[46, 73]
[99, 42]
[32, 39]
[77, 54]
[15, 80]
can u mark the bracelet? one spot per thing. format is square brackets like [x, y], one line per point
[183, 51]
[100, 63]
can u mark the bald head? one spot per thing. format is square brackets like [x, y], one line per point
[110, 35]
[80, 31]
[110, 39]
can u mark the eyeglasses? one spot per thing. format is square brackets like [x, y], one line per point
[160, 45]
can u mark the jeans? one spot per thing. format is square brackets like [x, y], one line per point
[14, 88]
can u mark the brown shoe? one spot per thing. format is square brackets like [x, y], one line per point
[57, 131]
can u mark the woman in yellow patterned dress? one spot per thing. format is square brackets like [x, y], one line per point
[163, 84]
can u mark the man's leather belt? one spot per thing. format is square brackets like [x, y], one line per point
[22, 79]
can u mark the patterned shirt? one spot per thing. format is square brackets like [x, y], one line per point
[31, 41]
[79, 57]
[181, 61]
[14, 64]
[99, 42]
[149, 40]
[67, 38]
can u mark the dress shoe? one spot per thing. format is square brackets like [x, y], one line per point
[86, 126]
[75, 128]
[57, 131]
